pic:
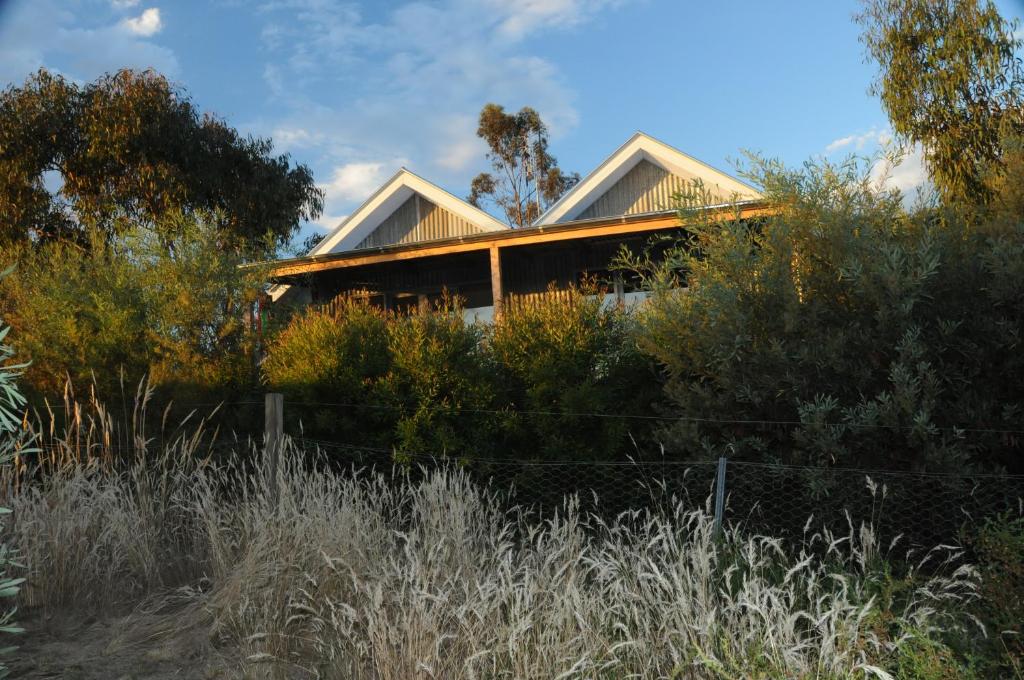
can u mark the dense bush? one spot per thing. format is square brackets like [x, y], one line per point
[364, 377]
[329, 365]
[844, 330]
[564, 355]
[999, 548]
[441, 387]
[431, 383]
[112, 312]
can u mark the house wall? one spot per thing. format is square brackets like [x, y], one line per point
[644, 189]
[418, 220]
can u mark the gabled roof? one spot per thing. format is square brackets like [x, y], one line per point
[388, 198]
[637, 148]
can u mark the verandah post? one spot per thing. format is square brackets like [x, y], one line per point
[273, 422]
[497, 289]
[720, 495]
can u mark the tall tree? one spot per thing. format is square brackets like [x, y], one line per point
[949, 79]
[526, 178]
[127, 149]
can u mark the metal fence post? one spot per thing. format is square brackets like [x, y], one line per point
[719, 495]
[273, 421]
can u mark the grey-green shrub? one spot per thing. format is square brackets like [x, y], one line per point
[866, 334]
[12, 442]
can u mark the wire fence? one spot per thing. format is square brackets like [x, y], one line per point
[923, 510]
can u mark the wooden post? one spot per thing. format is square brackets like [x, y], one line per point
[273, 420]
[720, 495]
[497, 291]
[620, 289]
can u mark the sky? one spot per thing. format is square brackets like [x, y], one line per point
[356, 90]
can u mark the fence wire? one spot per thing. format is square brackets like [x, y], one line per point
[923, 510]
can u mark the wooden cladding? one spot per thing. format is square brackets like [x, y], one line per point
[524, 301]
[646, 188]
[418, 220]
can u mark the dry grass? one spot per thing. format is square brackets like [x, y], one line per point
[369, 575]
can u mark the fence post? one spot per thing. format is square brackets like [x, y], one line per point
[719, 495]
[273, 422]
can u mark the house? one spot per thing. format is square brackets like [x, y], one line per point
[412, 240]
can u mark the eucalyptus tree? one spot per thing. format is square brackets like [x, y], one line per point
[526, 178]
[950, 80]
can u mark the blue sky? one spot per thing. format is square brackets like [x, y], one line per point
[357, 89]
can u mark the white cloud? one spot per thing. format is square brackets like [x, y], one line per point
[327, 223]
[146, 24]
[356, 181]
[45, 32]
[858, 142]
[410, 81]
[353, 183]
[123, 4]
[457, 145]
[904, 171]
[521, 17]
[292, 138]
[908, 174]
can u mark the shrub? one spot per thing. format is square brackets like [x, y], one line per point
[335, 357]
[441, 383]
[564, 355]
[11, 443]
[999, 549]
[109, 312]
[872, 336]
[359, 376]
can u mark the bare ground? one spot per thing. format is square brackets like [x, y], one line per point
[154, 641]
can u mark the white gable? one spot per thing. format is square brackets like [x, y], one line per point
[639, 148]
[385, 201]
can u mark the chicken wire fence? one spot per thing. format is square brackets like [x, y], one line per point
[779, 500]
[923, 509]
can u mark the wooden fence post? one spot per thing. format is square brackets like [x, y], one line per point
[720, 495]
[273, 420]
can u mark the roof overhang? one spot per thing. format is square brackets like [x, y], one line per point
[284, 271]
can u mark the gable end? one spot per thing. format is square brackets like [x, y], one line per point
[418, 220]
[644, 189]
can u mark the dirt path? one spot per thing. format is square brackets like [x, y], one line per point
[156, 645]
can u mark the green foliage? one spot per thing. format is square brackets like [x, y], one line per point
[441, 383]
[334, 358]
[999, 549]
[431, 383]
[564, 355]
[872, 335]
[11, 402]
[371, 378]
[526, 177]
[129, 149]
[950, 80]
[922, 657]
[114, 311]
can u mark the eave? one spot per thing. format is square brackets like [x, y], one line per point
[282, 270]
